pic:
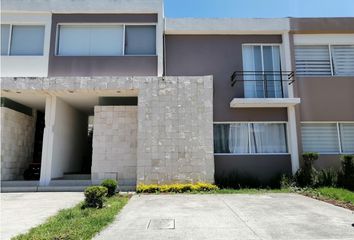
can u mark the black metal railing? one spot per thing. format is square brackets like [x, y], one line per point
[264, 84]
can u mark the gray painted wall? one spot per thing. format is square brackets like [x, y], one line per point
[220, 56]
[100, 66]
[263, 167]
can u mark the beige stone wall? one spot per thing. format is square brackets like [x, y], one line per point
[115, 144]
[175, 124]
[175, 133]
[17, 139]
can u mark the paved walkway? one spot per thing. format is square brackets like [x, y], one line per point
[22, 211]
[216, 217]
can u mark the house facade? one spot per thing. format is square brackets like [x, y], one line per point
[113, 89]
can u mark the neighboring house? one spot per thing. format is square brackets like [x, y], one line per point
[169, 100]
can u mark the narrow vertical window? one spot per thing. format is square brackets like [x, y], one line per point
[347, 137]
[343, 60]
[5, 35]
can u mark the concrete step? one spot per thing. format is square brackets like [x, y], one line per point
[70, 176]
[70, 183]
[20, 183]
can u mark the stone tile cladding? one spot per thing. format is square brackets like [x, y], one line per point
[17, 139]
[115, 144]
[175, 121]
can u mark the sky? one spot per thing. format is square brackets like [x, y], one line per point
[258, 8]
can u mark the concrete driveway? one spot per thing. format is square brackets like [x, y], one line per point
[22, 211]
[267, 216]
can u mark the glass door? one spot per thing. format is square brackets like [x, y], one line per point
[262, 66]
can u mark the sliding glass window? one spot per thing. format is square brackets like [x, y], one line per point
[250, 138]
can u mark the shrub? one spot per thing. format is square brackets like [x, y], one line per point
[286, 181]
[346, 173]
[111, 186]
[176, 188]
[306, 176]
[95, 196]
[327, 178]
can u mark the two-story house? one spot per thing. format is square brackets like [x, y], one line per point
[113, 89]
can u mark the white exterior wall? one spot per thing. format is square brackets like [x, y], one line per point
[17, 139]
[27, 66]
[65, 139]
[115, 144]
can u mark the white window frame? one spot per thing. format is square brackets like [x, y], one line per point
[249, 138]
[329, 45]
[338, 135]
[10, 39]
[123, 25]
[281, 51]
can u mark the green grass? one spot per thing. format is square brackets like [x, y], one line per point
[337, 194]
[76, 223]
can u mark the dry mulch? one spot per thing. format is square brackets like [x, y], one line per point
[335, 202]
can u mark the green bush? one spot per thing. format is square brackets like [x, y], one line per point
[306, 176]
[346, 173]
[176, 188]
[286, 181]
[111, 186]
[95, 196]
[327, 178]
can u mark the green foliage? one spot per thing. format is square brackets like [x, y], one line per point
[286, 181]
[77, 222]
[327, 178]
[111, 186]
[346, 174]
[176, 188]
[306, 176]
[95, 196]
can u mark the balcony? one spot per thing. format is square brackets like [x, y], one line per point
[263, 89]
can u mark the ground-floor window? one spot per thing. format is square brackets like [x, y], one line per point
[250, 138]
[334, 137]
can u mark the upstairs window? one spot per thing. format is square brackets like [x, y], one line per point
[327, 60]
[22, 40]
[140, 40]
[90, 41]
[106, 40]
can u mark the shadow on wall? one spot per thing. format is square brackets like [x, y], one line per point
[237, 180]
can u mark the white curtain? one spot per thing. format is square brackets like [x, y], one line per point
[238, 138]
[268, 138]
[262, 58]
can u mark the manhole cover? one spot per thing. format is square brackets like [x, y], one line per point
[161, 224]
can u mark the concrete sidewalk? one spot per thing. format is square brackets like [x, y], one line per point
[22, 211]
[267, 216]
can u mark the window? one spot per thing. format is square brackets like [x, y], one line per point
[106, 40]
[18, 40]
[140, 40]
[5, 35]
[90, 41]
[250, 138]
[328, 137]
[325, 60]
[261, 58]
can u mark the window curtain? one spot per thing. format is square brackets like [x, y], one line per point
[268, 138]
[221, 138]
[262, 58]
[238, 138]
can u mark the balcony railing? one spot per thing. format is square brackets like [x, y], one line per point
[263, 84]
